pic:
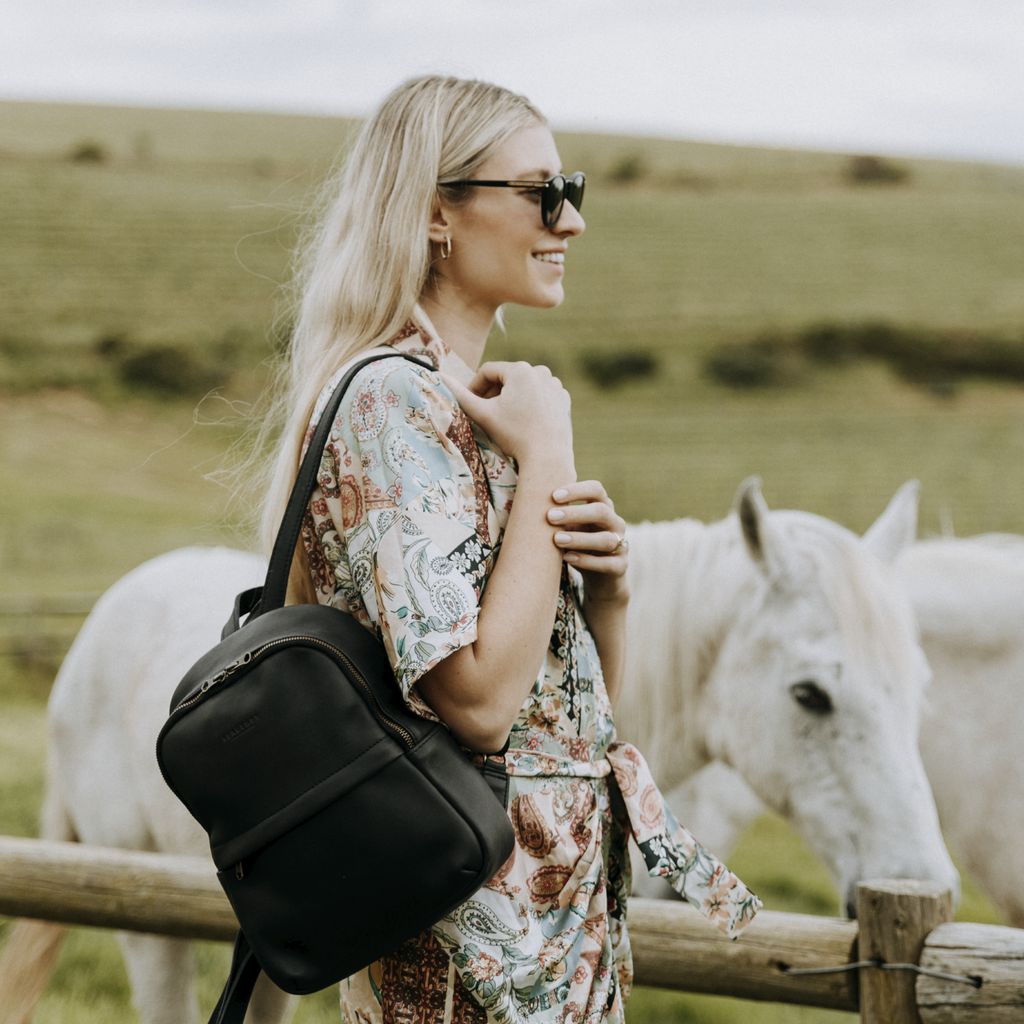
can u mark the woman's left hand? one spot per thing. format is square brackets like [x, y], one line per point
[593, 539]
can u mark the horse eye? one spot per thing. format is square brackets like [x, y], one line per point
[811, 696]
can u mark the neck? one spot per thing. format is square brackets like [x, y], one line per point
[462, 327]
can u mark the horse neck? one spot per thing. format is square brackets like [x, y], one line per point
[685, 582]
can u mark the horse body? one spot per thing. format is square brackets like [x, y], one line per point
[737, 637]
[778, 644]
[109, 702]
[968, 596]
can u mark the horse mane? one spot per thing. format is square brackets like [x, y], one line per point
[685, 582]
[873, 613]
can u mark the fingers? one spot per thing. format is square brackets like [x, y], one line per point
[523, 409]
[491, 377]
[591, 518]
[612, 565]
[583, 490]
[591, 534]
[607, 542]
[471, 403]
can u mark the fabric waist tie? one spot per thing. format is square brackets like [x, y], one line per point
[529, 764]
[668, 849]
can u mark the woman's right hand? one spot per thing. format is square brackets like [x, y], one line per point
[524, 409]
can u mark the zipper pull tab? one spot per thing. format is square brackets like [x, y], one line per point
[240, 870]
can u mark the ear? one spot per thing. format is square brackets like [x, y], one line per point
[896, 528]
[762, 545]
[440, 224]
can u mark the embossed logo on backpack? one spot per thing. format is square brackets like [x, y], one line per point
[243, 727]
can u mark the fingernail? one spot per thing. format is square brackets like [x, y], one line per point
[571, 556]
[561, 494]
[556, 515]
[563, 538]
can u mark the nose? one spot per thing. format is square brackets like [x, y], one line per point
[569, 223]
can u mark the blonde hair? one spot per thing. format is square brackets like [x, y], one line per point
[362, 268]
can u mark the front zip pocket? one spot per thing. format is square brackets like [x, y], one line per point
[250, 657]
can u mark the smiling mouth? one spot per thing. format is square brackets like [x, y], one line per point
[550, 257]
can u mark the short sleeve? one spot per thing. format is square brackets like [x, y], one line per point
[396, 534]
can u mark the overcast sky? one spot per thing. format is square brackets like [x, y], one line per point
[932, 77]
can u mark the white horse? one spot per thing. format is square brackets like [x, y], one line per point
[103, 785]
[968, 598]
[780, 645]
[774, 641]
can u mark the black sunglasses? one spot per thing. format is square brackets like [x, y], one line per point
[554, 192]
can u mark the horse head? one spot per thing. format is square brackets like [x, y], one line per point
[805, 676]
[817, 692]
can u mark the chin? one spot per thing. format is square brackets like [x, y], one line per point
[547, 299]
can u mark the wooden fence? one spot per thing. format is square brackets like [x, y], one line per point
[873, 965]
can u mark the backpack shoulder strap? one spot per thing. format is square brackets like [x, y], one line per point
[276, 585]
[234, 1000]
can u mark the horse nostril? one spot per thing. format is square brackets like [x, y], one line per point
[851, 909]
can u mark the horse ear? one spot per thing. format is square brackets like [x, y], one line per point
[896, 528]
[752, 511]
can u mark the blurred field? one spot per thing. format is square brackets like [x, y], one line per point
[180, 236]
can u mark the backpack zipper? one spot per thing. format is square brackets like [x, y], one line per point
[250, 656]
[218, 678]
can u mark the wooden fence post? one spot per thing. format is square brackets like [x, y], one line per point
[895, 916]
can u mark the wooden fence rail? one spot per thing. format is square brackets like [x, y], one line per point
[673, 946]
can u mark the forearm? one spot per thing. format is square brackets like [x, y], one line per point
[606, 620]
[479, 690]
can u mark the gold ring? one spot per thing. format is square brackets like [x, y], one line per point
[623, 546]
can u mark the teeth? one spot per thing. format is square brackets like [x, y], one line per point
[550, 257]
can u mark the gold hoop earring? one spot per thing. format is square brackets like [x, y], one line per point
[446, 247]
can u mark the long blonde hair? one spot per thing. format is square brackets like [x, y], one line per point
[362, 268]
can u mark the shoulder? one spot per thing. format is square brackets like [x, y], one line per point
[393, 375]
[385, 393]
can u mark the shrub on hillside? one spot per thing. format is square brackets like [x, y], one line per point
[169, 370]
[875, 170]
[628, 168]
[767, 361]
[915, 353]
[88, 152]
[110, 346]
[611, 369]
[933, 358]
[831, 344]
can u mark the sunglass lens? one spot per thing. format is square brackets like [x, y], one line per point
[552, 199]
[574, 189]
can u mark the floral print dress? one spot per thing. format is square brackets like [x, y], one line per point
[403, 533]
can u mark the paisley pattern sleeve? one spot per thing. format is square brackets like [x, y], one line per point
[397, 524]
[670, 852]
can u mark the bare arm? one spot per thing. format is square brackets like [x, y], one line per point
[479, 689]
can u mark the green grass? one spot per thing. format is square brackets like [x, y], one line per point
[189, 243]
[87, 492]
[181, 237]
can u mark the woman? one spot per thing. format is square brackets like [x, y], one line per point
[451, 204]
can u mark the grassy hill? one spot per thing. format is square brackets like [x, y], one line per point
[180, 230]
